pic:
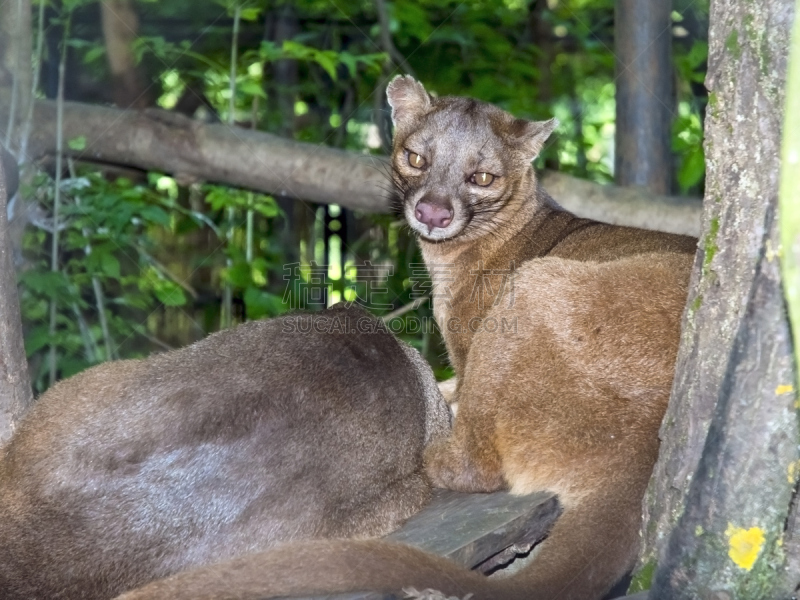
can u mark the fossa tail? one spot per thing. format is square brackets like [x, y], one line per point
[570, 565]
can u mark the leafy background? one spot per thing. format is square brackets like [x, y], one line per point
[144, 262]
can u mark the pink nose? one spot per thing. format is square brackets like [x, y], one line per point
[434, 215]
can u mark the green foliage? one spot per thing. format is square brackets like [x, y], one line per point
[162, 252]
[111, 234]
[220, 197]
[103, 229]
[687, 141]
[687, 130]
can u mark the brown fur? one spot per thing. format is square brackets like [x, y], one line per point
[269, 432]
[570, 400]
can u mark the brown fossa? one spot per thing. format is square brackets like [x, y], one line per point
[563, 333]
[303, 426]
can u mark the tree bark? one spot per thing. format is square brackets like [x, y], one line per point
[790, 187]
[790, 256]
[11, 173]
[738, 500]
[190, 150]
[120, 29]
[729, 438]
[15, 386]
[281, 76]
[15, 65]
[643, 44]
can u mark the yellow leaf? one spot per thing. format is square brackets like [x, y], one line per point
[744, 545]
[784, 389]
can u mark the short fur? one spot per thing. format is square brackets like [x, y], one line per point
[567, 397]
[272, 431]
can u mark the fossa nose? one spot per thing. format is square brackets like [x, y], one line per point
[434, 212]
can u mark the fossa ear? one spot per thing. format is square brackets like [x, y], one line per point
[408, 99]
[531, 135]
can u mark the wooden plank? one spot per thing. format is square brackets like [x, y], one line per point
[480, 531]
[471, 528]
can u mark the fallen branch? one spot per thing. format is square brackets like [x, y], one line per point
[194, 151]
[399, 312]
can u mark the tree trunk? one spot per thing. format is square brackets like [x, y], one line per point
[642, 41]
[790, 256]
[280, 84]
[726, 469]
[790, 187]
[15, 386]
[281, 76]
[15, 65]
[190, 150]
[120, 29]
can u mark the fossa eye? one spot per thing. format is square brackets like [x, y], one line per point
[482, 179]
[415, 160]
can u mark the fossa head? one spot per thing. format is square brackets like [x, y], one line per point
[457, 162]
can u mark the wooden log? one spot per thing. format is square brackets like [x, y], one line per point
[630, 206]
[193, 151]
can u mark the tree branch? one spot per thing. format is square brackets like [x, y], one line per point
[193, 151]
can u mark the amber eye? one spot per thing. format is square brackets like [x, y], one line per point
[415, 160]
[482, 179]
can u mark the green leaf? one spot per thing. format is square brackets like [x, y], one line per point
[77, 143]
[269, 52]
[110, 265]
[48, 283]
[239, 274]
[251, 88]
[692, 169]
[169, 293]
[94, 54]
[218, 197]
[328, 61]
[250, 14]
[71, 365]
[36, 339]
[259, 304]
[349, 61]
[415, 20]
[155, 214]
[292, 49]
[267, 206]
[373, 62]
